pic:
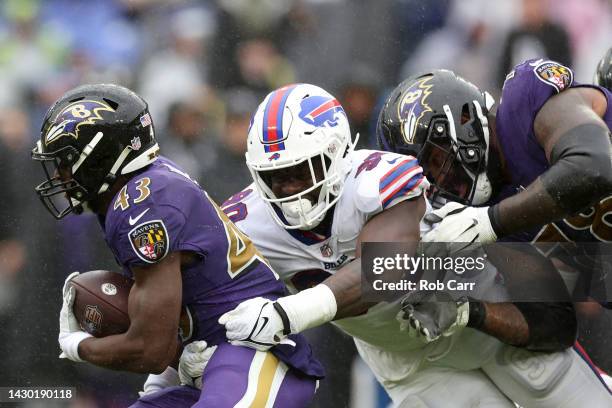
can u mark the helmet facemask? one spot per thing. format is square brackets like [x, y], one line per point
[457, 165]
[326, 172]
[60, 193]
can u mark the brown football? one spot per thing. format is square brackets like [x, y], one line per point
[101, 302]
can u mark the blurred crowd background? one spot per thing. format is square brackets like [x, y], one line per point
[203, 66]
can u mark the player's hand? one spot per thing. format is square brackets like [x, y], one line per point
[70, 333]
[193, 361]
[428, 315]
[462, 227]
[157, 382]
[255, 323]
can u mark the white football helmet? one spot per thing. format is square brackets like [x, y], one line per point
[294, 124]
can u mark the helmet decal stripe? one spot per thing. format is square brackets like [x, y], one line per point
[396, 173]
[273, 119]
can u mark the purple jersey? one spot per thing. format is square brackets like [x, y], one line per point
[161, 210]
[526, 89]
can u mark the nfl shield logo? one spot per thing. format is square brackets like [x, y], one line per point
[136, 144]
[93, 319]
[326, 250]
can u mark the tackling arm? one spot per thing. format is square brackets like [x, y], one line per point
[577, 145]
[339, 296]
[151, 342]
[384, 227]
[543, 320]
[261, 323]
[536, 326]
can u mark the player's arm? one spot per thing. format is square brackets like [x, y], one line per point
[537, 326]
[337, 297]
[577, 145]
[543, 320]
[151, 342]
[341, 292]
[384, 227]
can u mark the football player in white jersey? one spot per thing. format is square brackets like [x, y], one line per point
[313, 202]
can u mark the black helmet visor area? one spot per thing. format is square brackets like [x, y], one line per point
[441, 159]
[60, 193]
[447, 176]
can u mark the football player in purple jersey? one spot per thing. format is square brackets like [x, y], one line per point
[474, 155]
[99, 152]
[544, 154]
[543, 157]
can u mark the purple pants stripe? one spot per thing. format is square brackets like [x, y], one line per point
[239, 377]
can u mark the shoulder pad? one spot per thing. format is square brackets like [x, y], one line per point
[383, 179]
[541, 73]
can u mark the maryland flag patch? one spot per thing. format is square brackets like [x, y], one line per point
[150, 241]
[554, 74]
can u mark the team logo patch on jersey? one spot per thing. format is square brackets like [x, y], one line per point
[320, 111]
[75, 115]
[150, 241]
[413, 106]
[556, 75]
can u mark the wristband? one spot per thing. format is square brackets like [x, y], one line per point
[493, 213]
[69, 343]
[309, 308]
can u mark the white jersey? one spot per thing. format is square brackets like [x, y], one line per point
[379, 180]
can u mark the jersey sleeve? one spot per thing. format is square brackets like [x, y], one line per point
[145, 233]
[384, 179]
[533, 82]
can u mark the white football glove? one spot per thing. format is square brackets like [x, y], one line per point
[462, 227]
[157, 382]
[254, 323]
[70, 333]
[193, 361]
[429, 315]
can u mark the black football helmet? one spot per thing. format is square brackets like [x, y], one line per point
[603, 75]
[441, 119]
[91, 135]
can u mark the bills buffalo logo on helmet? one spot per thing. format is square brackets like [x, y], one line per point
[554, 74]
[75, 115]
[413, 106]
[275, 156]
[320, 111]
[150, 241]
